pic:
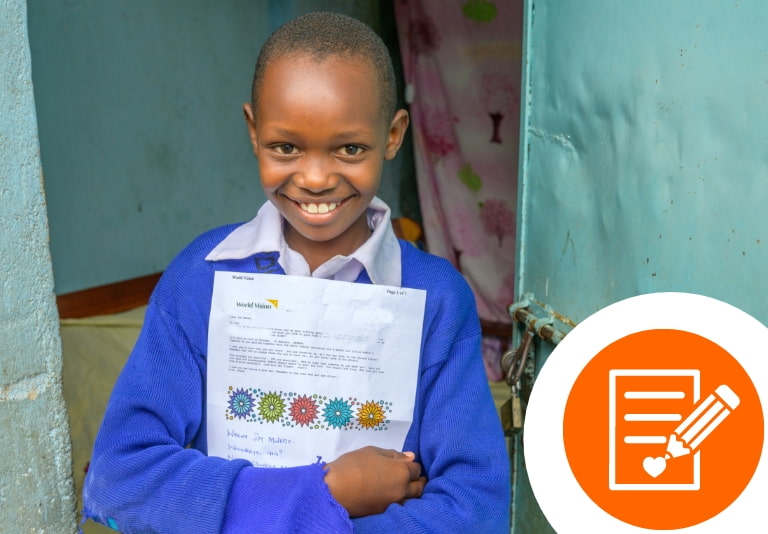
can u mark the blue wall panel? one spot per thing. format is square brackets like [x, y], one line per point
[141, 128]
[143, 140]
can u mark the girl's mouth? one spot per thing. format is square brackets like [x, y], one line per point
[318, 207]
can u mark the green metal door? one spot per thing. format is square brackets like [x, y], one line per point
[644, 163]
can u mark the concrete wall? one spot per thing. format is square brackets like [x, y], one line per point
[36, 493]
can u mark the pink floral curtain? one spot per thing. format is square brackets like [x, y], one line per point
[462, 63]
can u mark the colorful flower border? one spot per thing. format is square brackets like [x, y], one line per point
[306, 410]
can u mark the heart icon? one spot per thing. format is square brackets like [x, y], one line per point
[654, 466]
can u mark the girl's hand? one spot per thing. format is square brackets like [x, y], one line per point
[365, 481]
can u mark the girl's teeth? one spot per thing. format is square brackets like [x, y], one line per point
[319, 208]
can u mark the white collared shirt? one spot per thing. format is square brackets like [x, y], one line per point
[379, 255]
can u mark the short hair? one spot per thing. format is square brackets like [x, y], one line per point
[320, 35]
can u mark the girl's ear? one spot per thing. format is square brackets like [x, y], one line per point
[397, 129]
[249, 120]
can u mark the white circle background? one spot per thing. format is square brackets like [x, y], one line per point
[564, 503]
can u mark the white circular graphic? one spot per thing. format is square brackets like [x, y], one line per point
[564, 502]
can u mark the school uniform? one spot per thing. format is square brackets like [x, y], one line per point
[150, 471]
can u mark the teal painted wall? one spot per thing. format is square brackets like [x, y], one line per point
[645, 162]
[36, 491]
[141, 130]
[143, 140]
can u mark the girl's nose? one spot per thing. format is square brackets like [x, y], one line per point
[316, 175]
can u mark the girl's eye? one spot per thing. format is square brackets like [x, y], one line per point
[352, 150]
[285, 149]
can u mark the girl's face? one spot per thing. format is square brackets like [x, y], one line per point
[321, 140]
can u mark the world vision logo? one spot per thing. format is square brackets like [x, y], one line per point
[648, 415]
[273, 303]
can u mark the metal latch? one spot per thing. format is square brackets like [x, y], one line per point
[513, 364]
[518, 364]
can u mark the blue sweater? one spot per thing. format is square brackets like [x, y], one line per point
[150, 473]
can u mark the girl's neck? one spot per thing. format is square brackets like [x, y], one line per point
[318, 252]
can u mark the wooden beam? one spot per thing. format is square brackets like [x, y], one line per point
[106, 299]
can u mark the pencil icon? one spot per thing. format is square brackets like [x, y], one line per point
[704, 418]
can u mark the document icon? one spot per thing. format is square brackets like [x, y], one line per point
[663, 428]
[646, 407]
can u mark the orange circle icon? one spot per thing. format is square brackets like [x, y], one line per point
[663, 429]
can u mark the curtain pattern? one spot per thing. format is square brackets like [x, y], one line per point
[462, 63]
